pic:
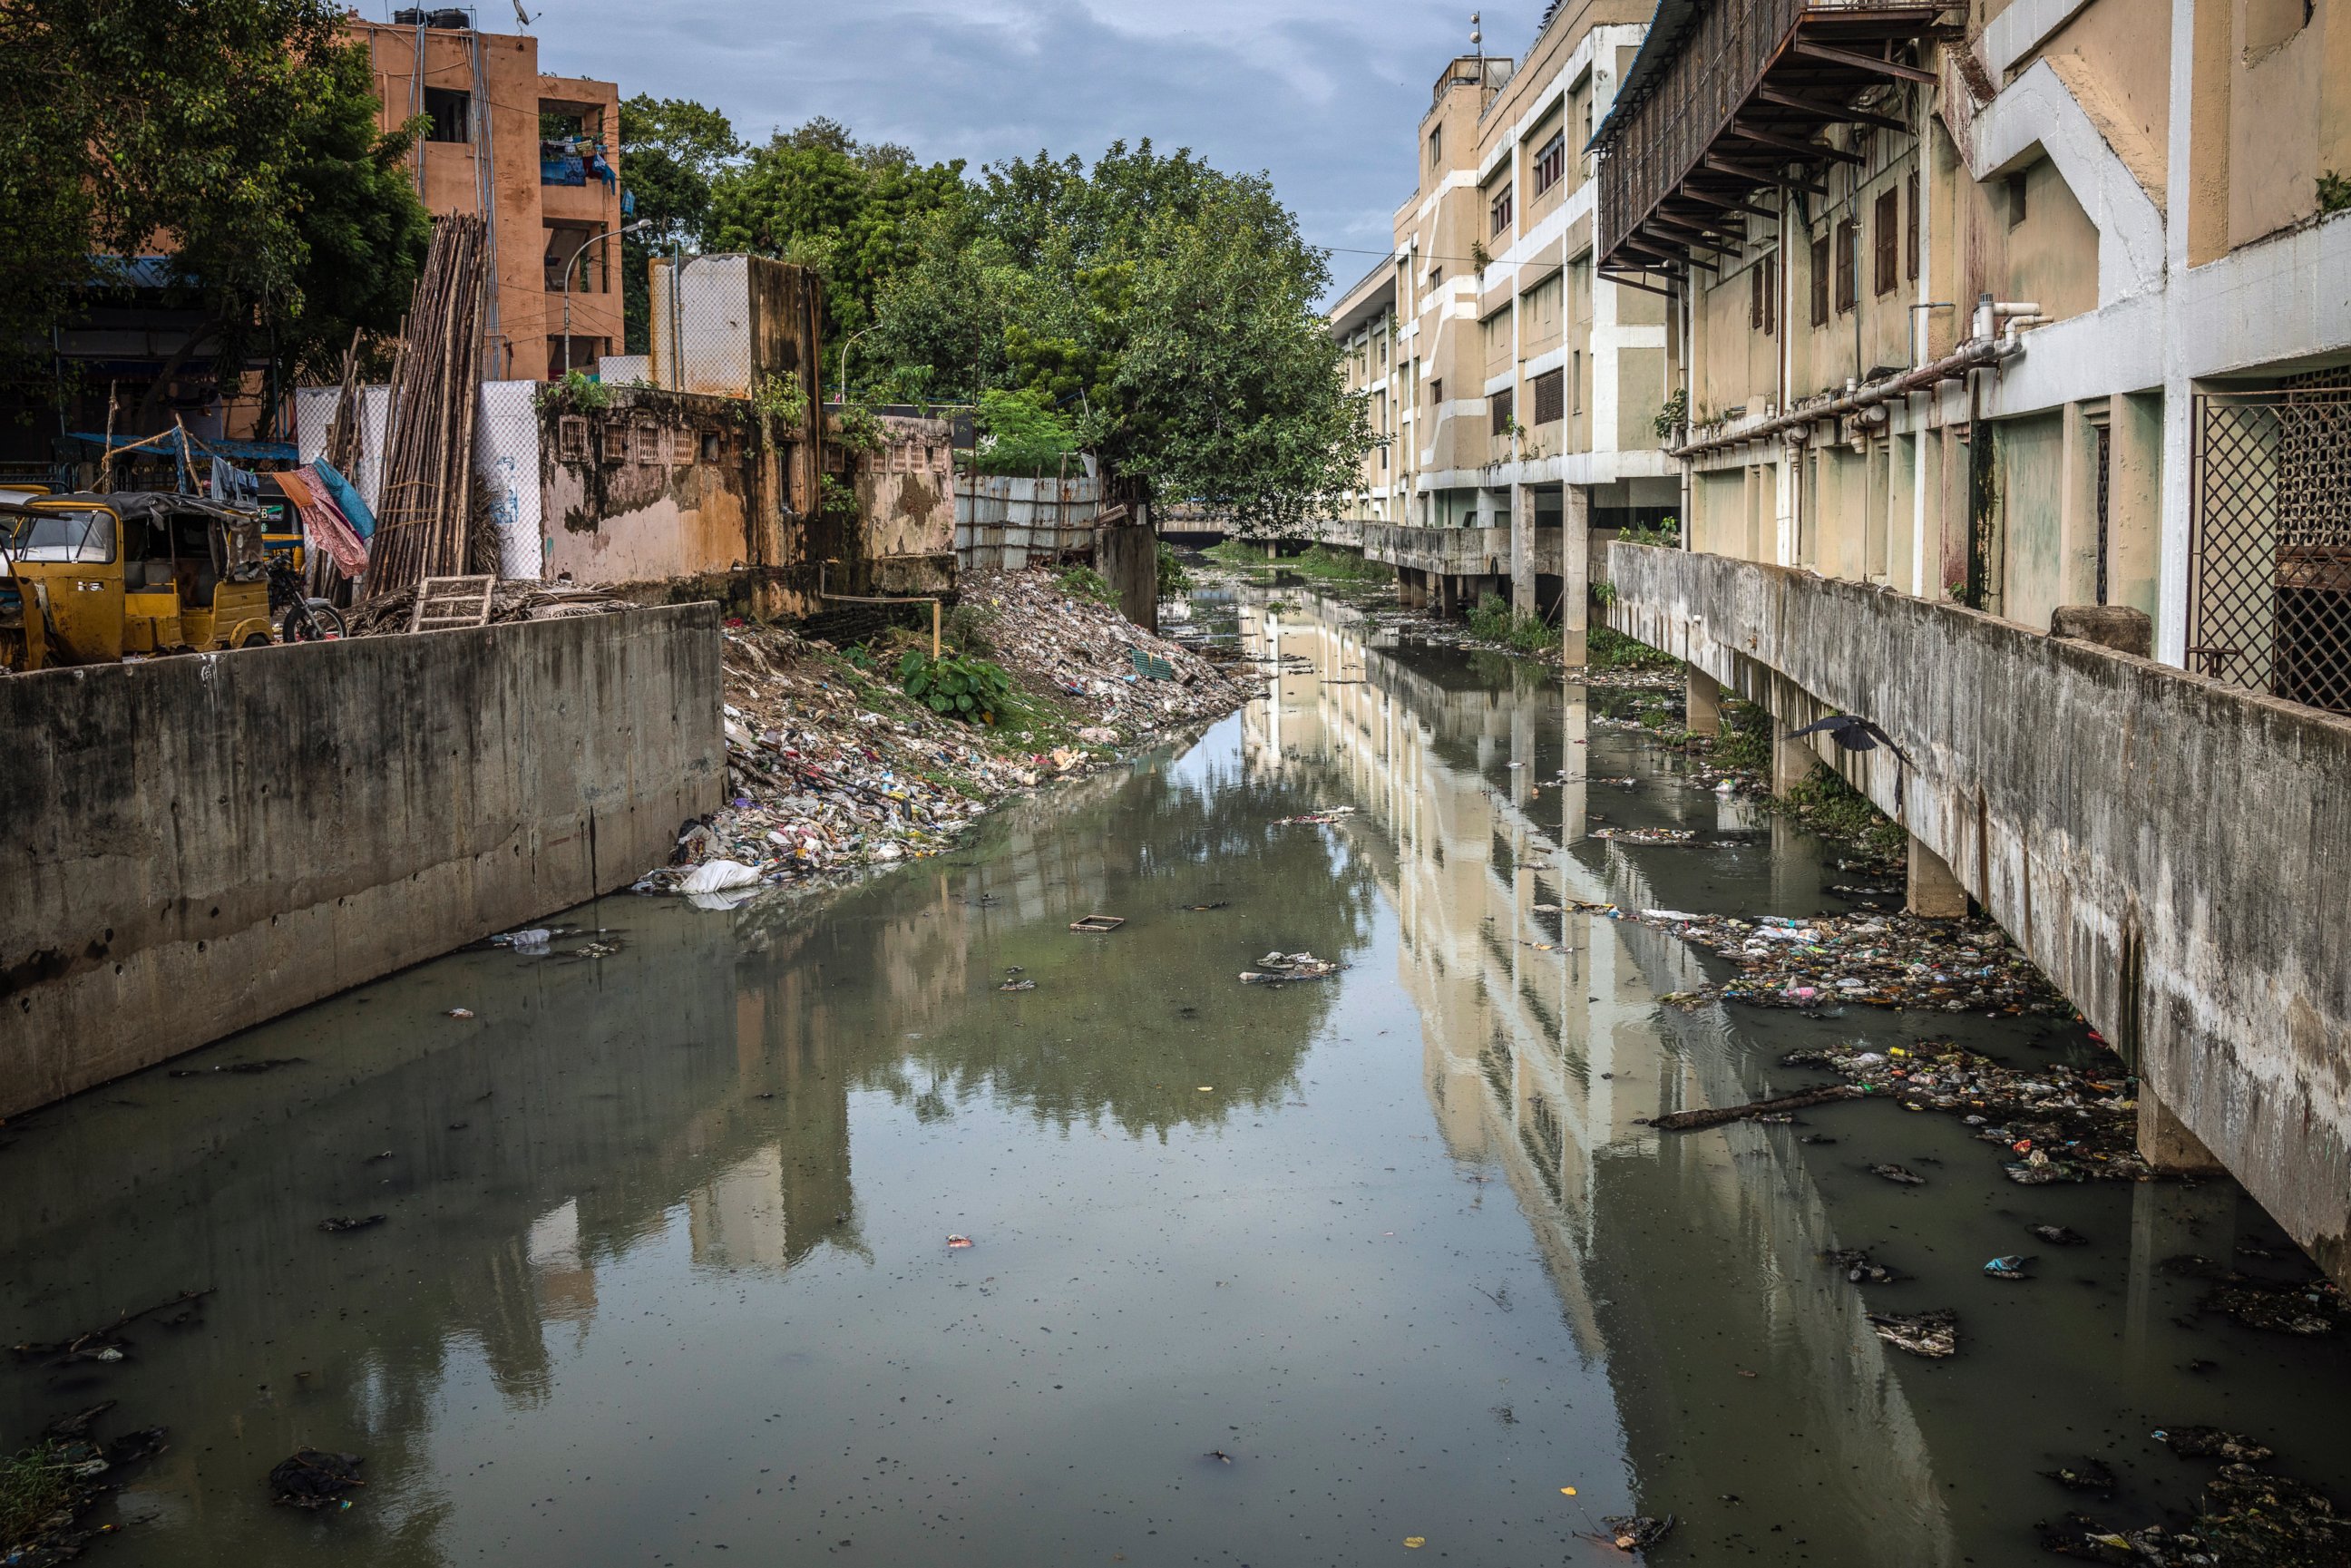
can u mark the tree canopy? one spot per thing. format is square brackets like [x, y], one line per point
[240, 140]
[672, 151]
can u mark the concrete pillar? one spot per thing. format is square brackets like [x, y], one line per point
[1449, 594]
[1575, 575]
[1934, 888]
[1791, 760]
[1703, 701]
[2165, 1142]
[1522, 550]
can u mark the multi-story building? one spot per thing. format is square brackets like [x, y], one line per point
[1518, 385]
[2000, 331]
[536, 155]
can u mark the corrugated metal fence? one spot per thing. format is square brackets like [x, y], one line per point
[1003, 524]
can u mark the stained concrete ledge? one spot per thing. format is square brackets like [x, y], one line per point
[2176, 853]
[196, 844]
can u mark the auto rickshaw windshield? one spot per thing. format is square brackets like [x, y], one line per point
[81, 536]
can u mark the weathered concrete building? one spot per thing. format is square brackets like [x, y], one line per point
[1518, 385]
[537, 155]
[1995, 323]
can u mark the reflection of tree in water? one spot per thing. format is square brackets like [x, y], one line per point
[1128, 1027]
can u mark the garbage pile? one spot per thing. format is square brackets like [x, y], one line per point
[830, 766]
[2059, 1123]
[2308, 1306]
[54, 1486]
[1882, 960]
[1085, 653]
[1277, 967]
[2246, 1518]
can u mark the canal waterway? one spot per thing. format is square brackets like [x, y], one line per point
[1367, 1269]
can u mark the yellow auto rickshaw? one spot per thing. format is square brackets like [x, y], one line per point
[96, 576]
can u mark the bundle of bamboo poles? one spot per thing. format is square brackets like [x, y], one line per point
[425, 495]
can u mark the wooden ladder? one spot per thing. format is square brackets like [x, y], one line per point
[452, 603]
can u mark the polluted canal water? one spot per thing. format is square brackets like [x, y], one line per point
[1328, 1270]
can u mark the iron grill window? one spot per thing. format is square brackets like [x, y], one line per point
[1886, 240]
[1500, 211]
[1911, 227]
[1551, 398]
[1503, 403]
[1550, 162]
[1848, 237]
[1820, 281]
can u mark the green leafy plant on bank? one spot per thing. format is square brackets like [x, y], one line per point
[2333, 193]
[1085, 582]
[1746, 739]
[35, 1487]
[1604, 593]
[1605, 648]
[576, 393]
[958, 685]
[1493, 620]
[1173, 578]
[1828, 806]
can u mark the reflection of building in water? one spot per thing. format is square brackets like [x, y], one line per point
[736, 1219]
[1545, 1047]
[566, 1285]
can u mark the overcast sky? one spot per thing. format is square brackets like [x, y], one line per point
[1324, 95]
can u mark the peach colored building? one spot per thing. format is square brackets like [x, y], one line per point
[538, 155]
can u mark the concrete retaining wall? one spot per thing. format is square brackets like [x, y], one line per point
[196, 844]
[2176, 853]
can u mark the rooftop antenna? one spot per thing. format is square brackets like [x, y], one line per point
[1477, 34]
[520, 15]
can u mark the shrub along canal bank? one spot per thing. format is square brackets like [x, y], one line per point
[1291, 1273]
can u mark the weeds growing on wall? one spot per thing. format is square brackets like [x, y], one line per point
[857, 428]
[576, 393]
[782, 402]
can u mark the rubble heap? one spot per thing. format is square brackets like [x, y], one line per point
[831, 767]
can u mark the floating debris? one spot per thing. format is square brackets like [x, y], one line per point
[2090, 1476]
[2211, 1443]
[1278, 966]
[1759, 1109]
[1860, 1268]
[1934, 1334]
[2011, 1267]
[1901, 1173]
[314, 1479]
[267, 1064]
[1327, 815]
[1636, 1532]
[1878, 959]
[2062, 1123]
[1647, 835]
[1097, 925]
[339, 1225]
[2059, 1235]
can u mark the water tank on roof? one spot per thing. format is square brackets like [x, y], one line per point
[448, 18]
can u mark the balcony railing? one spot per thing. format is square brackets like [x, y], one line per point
[1739, 93]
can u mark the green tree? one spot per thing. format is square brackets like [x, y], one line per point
[239, 139]
[672, 151]
[850, 211]
[1026, 434]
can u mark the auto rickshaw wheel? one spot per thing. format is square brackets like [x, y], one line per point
[258, 640]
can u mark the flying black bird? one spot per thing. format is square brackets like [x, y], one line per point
[1853, 733]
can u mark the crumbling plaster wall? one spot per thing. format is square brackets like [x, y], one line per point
[2113, 814]
[201, 843]
[656, 485]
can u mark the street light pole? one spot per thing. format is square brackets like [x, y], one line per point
[572, 266]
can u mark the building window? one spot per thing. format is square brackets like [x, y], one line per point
[1551, 398]
[1436, 391]
[577, 250]
[616, 444]
[1847, 239]
[452, 113]
[1436, 276]
[1820, 281]
[714, 447]
[1437, 147]
[1499, 211]
[1763, 295]
[1503, 403]
[1886, 241]
[650, 444]
[571, 438]
[1550, 162]
[2015, 200]
[1911, 227]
